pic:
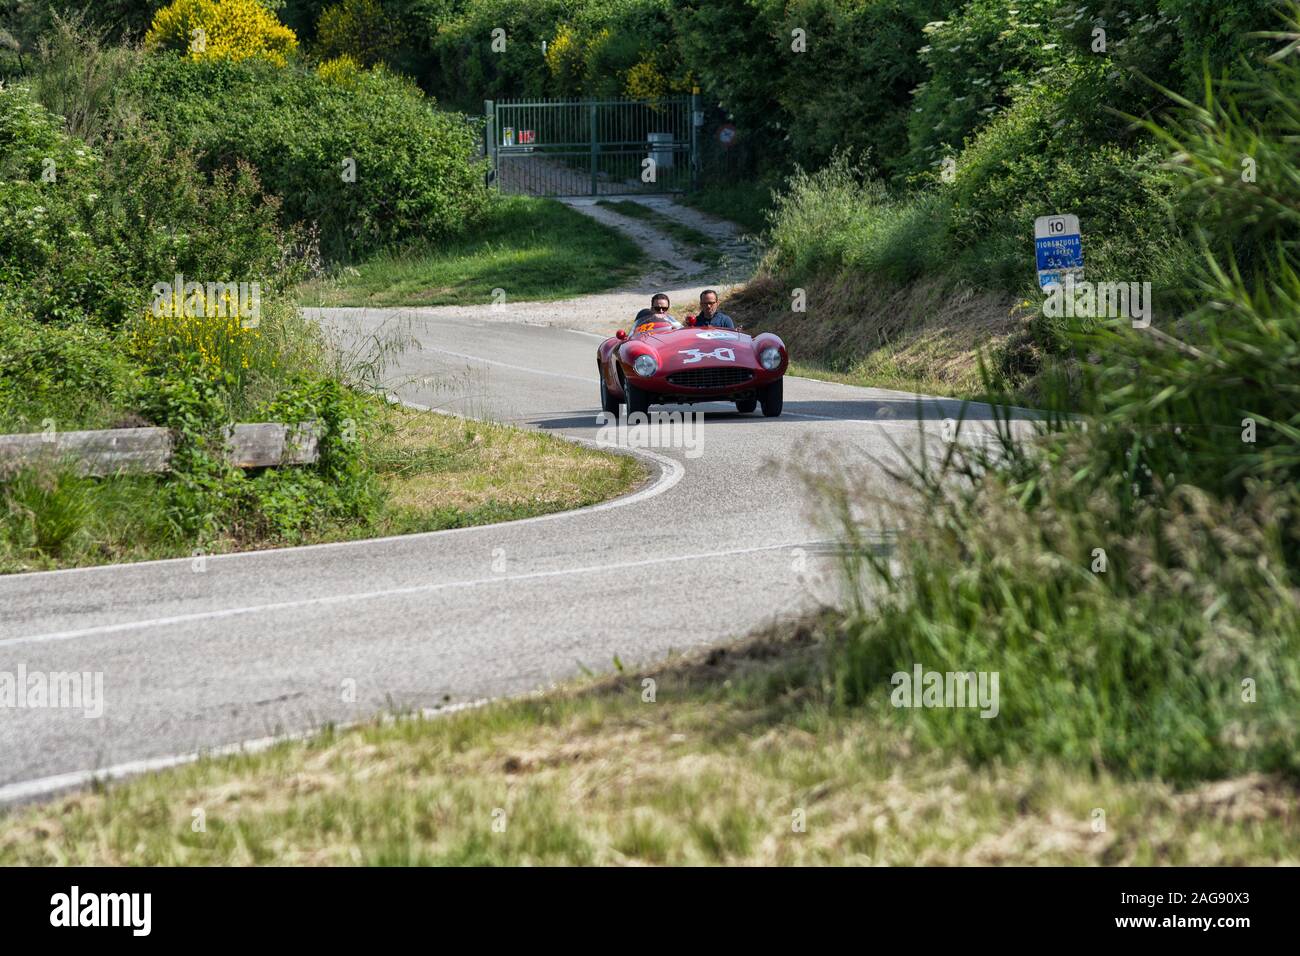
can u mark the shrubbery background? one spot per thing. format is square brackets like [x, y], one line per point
[412, 165]
[1019, 100]
[158, 164]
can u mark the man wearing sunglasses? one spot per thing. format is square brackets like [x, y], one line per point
[658, 312]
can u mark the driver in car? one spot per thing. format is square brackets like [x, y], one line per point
[658, 312]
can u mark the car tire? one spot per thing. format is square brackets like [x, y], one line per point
[607, 401]
[746, 406]
[638, 399]
[770, 397]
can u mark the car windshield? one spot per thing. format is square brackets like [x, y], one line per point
[660, 323]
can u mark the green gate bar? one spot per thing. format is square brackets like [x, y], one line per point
[592, 147]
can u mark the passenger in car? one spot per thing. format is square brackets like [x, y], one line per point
[709, 314]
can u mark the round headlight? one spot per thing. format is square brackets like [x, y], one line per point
[770, 359]
[645, 365]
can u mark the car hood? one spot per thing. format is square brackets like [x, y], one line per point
[696, 348]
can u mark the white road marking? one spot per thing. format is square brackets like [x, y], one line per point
[223, 613]
[820, 418]
[585, 379]
[25, 790]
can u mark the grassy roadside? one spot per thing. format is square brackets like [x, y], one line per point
[928, 336]
[739, 759]
[434, 471]
[534, 249]
[699, 245]
[744, 203]
[442, 472]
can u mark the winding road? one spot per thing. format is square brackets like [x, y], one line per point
[201, 655]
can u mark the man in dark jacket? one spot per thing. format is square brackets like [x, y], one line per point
[709, 314]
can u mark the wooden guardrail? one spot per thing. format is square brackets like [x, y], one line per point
[117, 451]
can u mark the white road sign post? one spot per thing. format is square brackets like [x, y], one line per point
[1058, 247]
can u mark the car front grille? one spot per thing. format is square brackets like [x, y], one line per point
[711, 377]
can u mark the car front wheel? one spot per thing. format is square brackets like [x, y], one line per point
[746, 405]
[638, 400]
[771, 399]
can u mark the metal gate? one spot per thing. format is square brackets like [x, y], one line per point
[593, 147]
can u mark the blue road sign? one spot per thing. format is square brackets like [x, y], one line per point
[1058, 248]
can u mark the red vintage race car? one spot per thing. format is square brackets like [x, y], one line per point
[665, 361]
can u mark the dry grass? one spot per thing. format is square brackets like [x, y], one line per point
[926, 336]
[734, 751]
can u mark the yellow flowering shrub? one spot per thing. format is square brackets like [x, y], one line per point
[221, 30]
[341, 70]
[564, 55]
[648, 80]
[645, 81]
[213, 330]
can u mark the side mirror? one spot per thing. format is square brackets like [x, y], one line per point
[621, 335]
[690, 320]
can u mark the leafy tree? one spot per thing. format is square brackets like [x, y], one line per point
[359, 29]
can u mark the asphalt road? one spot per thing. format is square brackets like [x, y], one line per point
[195, 655]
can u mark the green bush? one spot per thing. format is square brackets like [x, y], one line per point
[840, 219]
[369, 163]
[1236, 357]
[1138, 670]
[975, 62]
[359, 29]
[206, 497]
[43, 510]
[462, 65]
[1217, 34]
[342, 418]
[85, 233]
[1035, 159]
[1098, 59]
[852, 89]
[73, 376]
[77, 76]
